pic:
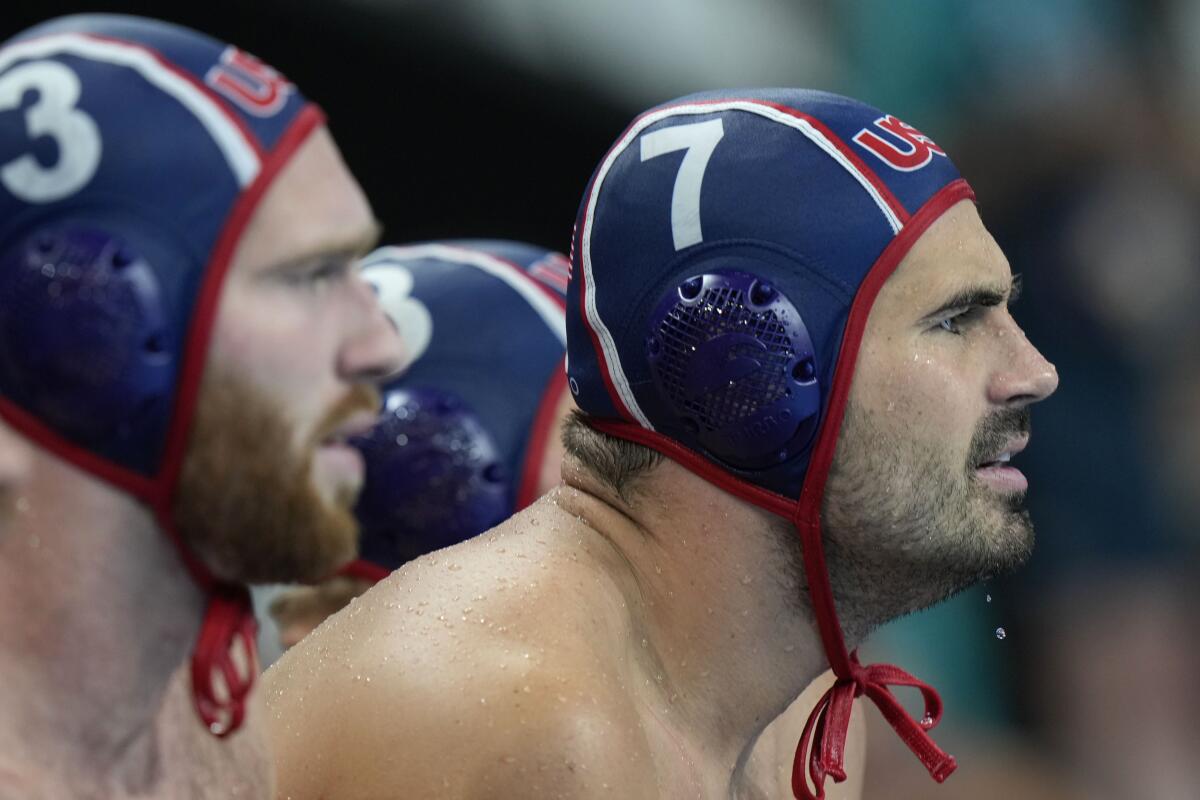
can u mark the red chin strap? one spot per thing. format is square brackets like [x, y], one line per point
[824, 736]
[220, 685]
[224, 662]
[827, 726]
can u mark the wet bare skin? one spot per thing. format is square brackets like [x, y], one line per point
[441, 683]
[594, 646]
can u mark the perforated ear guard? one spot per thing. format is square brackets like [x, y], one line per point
[84, 339]
[435, 477]
[732, 357]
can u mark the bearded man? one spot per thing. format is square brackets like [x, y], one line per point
[186, 343]
[800, 388]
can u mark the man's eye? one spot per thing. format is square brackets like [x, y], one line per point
[328, 271]
[953, 324]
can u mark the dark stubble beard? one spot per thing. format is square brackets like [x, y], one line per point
[246, 503]
[905, 529]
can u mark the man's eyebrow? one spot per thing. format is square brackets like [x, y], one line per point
[350, 247]
[974, 296]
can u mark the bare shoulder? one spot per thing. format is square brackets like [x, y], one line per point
[484, 671]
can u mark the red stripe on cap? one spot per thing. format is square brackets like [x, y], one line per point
[535, 445]
[871, 176]
[202, 87]
[868, 173]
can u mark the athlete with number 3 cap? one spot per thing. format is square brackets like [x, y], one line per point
[186, 341]
[471, 429]
[800, 389]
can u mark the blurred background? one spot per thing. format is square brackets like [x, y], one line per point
[1077, 122]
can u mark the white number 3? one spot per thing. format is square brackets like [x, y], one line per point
[394, 285]
[53, 114]
[698, 140]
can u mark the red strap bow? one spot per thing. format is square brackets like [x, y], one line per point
[830, 721]
[219, 685]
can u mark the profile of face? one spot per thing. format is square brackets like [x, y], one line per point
[921, 501]
[268, 483]
[14, 469]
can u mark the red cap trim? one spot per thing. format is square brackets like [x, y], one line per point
[361, 568]
[230, 616]
[808, 512]
[544, 420]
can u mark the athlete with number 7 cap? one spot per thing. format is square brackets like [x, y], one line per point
[799, 389]
[186, 341]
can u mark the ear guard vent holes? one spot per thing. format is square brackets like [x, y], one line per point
[732, 358]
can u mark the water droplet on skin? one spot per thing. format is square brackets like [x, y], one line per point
[1001, 633]
[747, 580]
[789, 648]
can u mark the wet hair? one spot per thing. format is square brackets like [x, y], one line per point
[615, 462]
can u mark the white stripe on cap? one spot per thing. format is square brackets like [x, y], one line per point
[229, 138]
[608, 345]
[550, 312]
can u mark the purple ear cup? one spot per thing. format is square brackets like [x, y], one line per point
[731, 356]
[84, 343]
[435, 477]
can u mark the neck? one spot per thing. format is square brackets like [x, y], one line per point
[96, 612]
[720, 601]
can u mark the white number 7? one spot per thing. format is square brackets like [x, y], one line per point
[699, 140]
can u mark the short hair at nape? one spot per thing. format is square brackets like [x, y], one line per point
[615, 462]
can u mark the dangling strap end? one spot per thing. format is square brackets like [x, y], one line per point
[944, 769]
